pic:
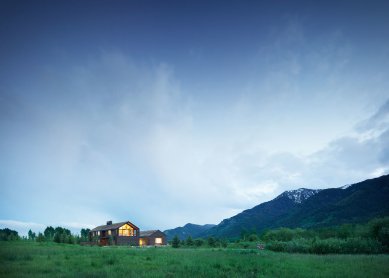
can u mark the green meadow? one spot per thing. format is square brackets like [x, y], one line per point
[32, 259]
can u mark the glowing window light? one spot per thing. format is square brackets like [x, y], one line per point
[158, 240]
[126, 230]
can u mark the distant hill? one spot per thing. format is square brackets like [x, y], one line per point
[189, 229]
[306, 208]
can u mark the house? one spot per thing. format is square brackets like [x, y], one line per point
[153, 237]
[125, 233]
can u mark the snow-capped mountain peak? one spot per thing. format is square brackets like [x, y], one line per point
[299, 195]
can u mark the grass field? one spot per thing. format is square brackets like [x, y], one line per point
[31, 259]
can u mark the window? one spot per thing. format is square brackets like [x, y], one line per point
[158, 240]
[126, 230]
[109, 232]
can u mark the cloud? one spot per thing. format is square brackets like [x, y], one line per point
[376, 124]
[111, 139]
[348, 159]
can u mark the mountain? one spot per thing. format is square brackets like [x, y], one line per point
[261, 216]
[356, 203]
[309, 208]
[306, 208]
[189, 229]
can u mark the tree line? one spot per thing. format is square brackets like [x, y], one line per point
[198, 242]
[50, 234]
[368, 238]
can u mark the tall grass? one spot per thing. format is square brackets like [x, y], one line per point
[31, 259]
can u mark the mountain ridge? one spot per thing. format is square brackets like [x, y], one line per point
[307, 208]
[188, 229]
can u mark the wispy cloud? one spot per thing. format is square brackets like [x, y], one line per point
[22, 227]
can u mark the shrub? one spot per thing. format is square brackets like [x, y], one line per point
[189, 241]
[326, 246]
[379, 230]
[198, 242]
[211, 242]
[283, 234]
[224, 243]
[277, 246]
[253, 237]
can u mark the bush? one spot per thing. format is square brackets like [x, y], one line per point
[224, 243]
[198, 242]
[211, 242]
[189, 241]
[379, 230]
[327, 246]
[277, 246]
[283, 234]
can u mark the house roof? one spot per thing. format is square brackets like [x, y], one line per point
[148, 233]
[113, 226]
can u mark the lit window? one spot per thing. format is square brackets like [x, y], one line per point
[158, 240]
[109, 232]
[126, 230]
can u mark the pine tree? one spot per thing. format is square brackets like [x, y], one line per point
[176, 242]
[31, 235]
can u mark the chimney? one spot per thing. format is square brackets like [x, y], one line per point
[109, 222]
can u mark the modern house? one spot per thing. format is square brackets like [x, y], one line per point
[125, 233]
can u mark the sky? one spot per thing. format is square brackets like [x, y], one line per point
[169, 112]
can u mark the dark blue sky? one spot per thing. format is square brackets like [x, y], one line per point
[101, 101]
[222, 36]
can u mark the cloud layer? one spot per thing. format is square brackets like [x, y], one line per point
[112, 139]
[164, 120]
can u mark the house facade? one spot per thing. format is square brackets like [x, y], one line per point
[125, 233]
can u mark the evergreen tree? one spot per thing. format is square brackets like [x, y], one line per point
[85, 234]
[176, 242]
[57, 238]
[49, 233]
[31, 235]
[189, 241]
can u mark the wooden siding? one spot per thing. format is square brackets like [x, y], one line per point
[109, 236]
[150, 240]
